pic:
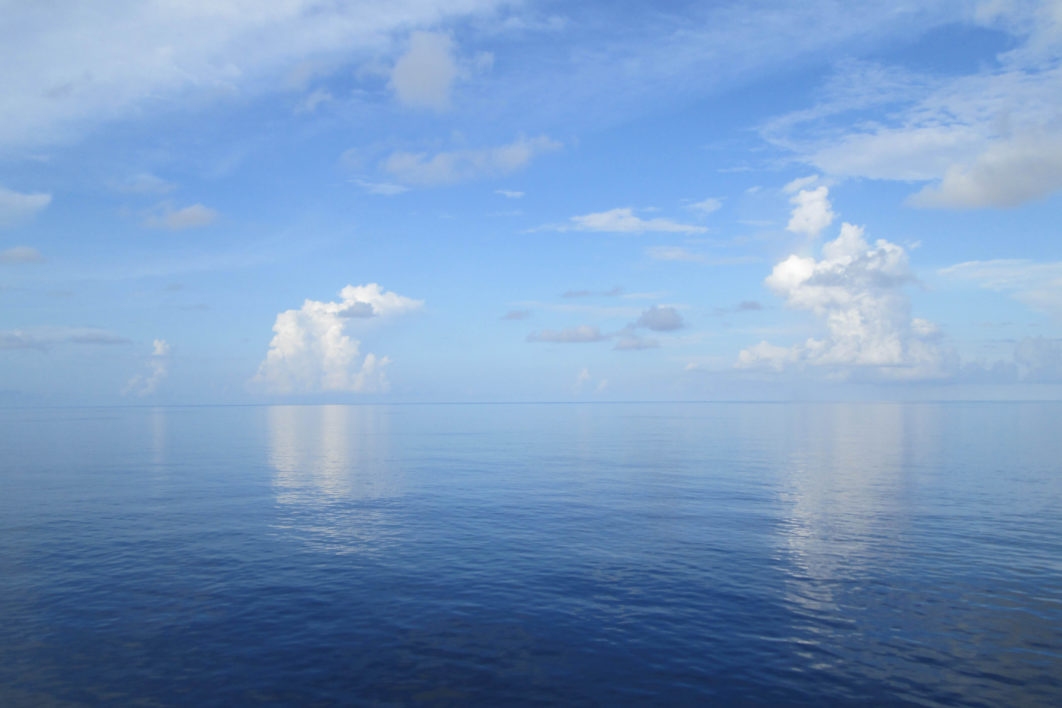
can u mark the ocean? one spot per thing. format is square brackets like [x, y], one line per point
[642, 553]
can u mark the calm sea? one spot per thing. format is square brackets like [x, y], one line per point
[514, 554]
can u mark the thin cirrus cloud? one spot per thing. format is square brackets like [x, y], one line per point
[45, 338]
[16, 207]
[449, 167]
[622, 220]
[990, 138]
[1037, 284]
[21, 254]
[312, 351]
[174, 219]
[572, 335]
[60, 80]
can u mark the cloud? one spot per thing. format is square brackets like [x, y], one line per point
[516, 315]
[1039, 360]
[384, 189]
[145, 183]
[44, 338]
[1006, 174]
[989, 138]
[189, 217]
[674, 253]
[571, 335]
[158, 370]
[631, 341]
[707, 206]
[1037, 284]
[660, 319]
[16, 207]
[509, 193]
[857, 291]
[314, 100]
[423, 76]
[21, 254]
[459, 165]
[622, 220]
[312, 352]
[797, 184]
[811, 211]
[61, 78]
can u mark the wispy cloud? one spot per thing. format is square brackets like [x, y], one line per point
[452, 166]
[21, 254]
[16, 207]
[622, 220]
[166, 216]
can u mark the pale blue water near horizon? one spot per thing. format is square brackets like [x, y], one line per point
[672, 553]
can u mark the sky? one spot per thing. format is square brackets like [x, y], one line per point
[315, 201]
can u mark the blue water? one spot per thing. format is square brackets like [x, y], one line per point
[504, 554]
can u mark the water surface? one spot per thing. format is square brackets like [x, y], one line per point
[627, 553]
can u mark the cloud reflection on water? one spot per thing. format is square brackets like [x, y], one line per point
[334, 476]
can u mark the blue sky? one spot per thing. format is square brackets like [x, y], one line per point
[235, 201]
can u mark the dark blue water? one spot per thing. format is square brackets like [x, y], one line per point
[499, 554]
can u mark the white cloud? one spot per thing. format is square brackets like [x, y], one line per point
[189, 217]
[571, 335]
[673, 253]
[44, 338]
[707, 206]
[314, 100]
[794, 185]
[509, 193]
[16, 207]
[990, 138]
[1007, 173]
[145, 183]
[811, 211]
[384, 189]
[21, 254]
[632, 341]
[458, 165]
[64, 72]
[1038, 285]
[422, 77]
[857, 291]
[623, 220]
[158, 370]
[312, 352]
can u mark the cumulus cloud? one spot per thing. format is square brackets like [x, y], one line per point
[21, 254]
[158, 369]
[857, 291]
[189, 217]
[660, 319]
[571, 335]
[1039, 360]
[453, 166]
[623, 220]
[16, 207]
[423, 76]
[811, 212]
[312, 352]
